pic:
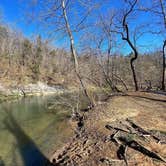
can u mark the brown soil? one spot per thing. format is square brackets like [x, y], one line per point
[92, 145]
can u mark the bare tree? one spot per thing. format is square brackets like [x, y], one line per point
[109, 38]
[73, 50]
[122, 27]
[126, 37]
[57, 19]
[158, 7]
[163, 71]
[163, 12]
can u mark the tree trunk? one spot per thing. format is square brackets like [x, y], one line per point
[163, 12]
[164, 46]
[132, 60]
[163, 72]
[73, 52]
[133, 71]
[127, 38]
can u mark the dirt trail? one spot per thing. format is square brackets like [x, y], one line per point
[95, 145]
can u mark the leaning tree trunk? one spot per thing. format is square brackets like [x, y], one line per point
[127, 39]
[132, 59]
[73, 52]
[163, 70]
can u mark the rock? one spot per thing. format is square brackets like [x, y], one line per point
[41, 88]
[15, 91]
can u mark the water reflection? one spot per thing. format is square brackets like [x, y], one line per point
[29, 120]
[30, 153]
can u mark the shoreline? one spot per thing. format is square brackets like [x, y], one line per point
[94, 144]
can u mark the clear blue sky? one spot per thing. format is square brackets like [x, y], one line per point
[14, 13]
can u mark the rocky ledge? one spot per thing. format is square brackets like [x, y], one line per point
[28, 90]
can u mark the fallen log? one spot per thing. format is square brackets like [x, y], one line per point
[113, 137]
[137, 146]
[142, 131]
[109, 127]
[121, 153]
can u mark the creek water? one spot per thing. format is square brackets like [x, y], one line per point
[30, 130]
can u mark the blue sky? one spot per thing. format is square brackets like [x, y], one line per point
[14, 12]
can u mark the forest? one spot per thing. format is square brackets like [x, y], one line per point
[25, 61]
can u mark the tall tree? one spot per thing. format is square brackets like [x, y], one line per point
[108, 38]
[163, 13]
[56, 15]
[158, 8]
[122, 27]
[37, 58]
[73, 49]
[126, 37]
[26, 51]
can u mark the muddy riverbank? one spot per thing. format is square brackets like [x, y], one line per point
[100, 138]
